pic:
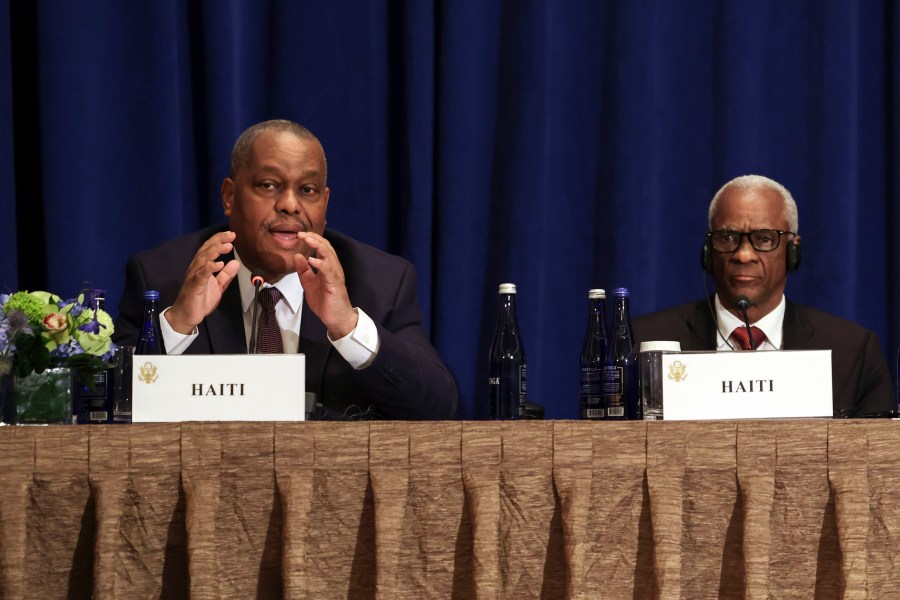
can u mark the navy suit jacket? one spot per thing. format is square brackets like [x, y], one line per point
[407, 379]
[861, 383]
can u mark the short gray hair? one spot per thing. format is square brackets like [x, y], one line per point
[746, 183]
[241, 151]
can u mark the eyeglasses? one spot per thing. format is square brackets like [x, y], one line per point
[762, 240]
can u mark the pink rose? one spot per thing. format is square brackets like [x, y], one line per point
[54, 323]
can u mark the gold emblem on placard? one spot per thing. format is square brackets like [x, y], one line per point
[678, 371]
[147, 372]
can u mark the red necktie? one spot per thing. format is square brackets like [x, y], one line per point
[740, 335]
[268, 333]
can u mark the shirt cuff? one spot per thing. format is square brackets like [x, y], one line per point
[176, 343]
[360, 346]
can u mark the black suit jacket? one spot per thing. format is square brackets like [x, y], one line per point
[861, 383]
[407, 379]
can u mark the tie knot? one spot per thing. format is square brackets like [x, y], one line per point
[269, 297]
[740, 334]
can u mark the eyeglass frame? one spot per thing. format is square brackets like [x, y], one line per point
[749, 235]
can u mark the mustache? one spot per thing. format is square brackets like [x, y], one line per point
[304, 225]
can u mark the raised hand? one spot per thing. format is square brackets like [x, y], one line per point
[325, 291]
[204, 283]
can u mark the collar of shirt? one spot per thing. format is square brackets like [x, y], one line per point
[288, 311]
[289, 286]
[772, 325]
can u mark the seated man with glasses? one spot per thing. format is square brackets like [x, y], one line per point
[751, 246]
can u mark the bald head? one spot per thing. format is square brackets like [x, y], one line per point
[244, 144]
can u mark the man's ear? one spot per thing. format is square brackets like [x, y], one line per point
[227, 195]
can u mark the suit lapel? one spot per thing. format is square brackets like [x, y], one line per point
[702, 329]
[225, 325]
[797, 331]
[315, 345]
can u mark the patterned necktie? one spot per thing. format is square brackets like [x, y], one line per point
[268, 333]
[740, 335]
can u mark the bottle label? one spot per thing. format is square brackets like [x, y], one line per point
[87, 401]
[614, 401]
[98, 392]
[522, 392]
[591, 381]
[591, 393]
[495, 399]
[612, 380]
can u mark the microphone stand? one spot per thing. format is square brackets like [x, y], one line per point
[257, 282]
[743, 304]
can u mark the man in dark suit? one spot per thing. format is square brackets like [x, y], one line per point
[751, 246]
[369, 358]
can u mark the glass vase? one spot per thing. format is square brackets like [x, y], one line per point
[42, 398]
[7, 407]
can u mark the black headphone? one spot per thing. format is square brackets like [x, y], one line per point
[792, 256]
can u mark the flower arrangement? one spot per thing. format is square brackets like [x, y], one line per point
[39, 330]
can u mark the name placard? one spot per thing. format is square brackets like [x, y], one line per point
[747, 385]
[221, 387]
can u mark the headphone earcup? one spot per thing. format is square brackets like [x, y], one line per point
[706, 258]
[792, 256]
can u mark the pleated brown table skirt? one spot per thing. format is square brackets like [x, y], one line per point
[552, 509]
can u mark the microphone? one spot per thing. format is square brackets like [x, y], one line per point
[257, 282]
[743, 303]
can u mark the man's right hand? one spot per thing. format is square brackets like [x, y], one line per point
[203, 287]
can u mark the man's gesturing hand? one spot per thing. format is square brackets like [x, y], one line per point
[325, 291]
[202, 289]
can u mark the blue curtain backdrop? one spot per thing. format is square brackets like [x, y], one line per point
[558, 145]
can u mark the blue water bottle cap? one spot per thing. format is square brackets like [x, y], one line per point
[151, 295]
[620, 292]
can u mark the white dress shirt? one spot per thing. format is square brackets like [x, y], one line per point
[772, 325]
[359, 347]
